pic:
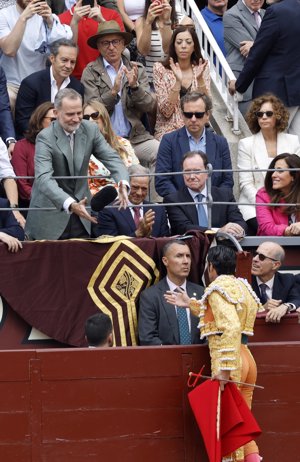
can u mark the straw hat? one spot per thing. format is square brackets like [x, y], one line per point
[106, 28]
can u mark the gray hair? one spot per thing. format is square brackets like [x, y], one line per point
[66, 93]
[54, 47]
[138, 170]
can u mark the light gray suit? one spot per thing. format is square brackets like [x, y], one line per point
[239, 25]
[53, 157]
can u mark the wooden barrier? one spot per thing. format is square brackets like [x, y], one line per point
[130, 404]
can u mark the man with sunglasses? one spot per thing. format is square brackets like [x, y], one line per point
[278, 292]
[42, 86]
[194, 136]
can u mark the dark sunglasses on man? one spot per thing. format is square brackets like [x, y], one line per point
[189, 115]
[262, 257]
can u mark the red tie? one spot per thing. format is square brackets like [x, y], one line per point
[136, 215]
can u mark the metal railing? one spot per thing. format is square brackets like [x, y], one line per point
[220, 70]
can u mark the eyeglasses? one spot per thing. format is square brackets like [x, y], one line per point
[262, 257]
[50, 118]
[260, 114]
[94, 116]
[114, 42]
[189, 115]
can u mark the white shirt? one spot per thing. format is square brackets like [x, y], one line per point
[54, 88]
[32, 53]
[172, 287]
[6, 170]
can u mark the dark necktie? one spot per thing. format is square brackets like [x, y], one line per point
[183, 325]
[263, 293]
[136, 215]
[202, 217]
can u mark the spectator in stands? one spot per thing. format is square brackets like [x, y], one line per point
[185, 217]
[154, 31]
[11, 233]
[213, 15]
[96, 112]
[159, 323]
[99, 331]
[184, 70]
[267, 119]
[139, 219]
[274, 60]
[194, 136]
[241, 23]
[7, 129]
[26, 31]
[64, 149]
[281, 187]
[84, 22]
[122, 86]
[7, 177]
[23, 158]
[278, 292]
[43, 86]
[130, 11]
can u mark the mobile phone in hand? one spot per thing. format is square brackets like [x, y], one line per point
[88, 3]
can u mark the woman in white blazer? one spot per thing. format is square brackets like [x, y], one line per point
[267, 119]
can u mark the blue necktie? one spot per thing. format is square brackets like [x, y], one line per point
[183, 325]
[263, 293]
[202, 217]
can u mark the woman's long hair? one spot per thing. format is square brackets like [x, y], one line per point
[293, 196]
[196, 55]
[107, 131]
[36, 121]
[173, 14]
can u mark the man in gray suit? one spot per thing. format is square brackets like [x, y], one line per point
[159, 322]
[241, 24]
[64, 150]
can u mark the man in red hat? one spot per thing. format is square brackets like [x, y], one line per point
[84, 22]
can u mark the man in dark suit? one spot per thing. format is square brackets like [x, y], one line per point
[140, 219]
[278, 292]
[42, 86]
[160, 323]
[274, 60]
[7, 129]
[184, 217]
[64, 150]
[194, 136]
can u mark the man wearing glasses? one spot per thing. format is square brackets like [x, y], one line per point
[278, 292]
[123, 87]
[194, 136]
[43, 86]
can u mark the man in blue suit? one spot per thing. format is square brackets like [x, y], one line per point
[140, 219]
[194, 136]
[274, 59]
[42, 86]
[7, 129]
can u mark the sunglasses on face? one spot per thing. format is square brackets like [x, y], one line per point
[94, 116]
[50, 118]
[262, 257]
[260, 114]
[198, 115]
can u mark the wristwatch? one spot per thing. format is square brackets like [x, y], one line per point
[9, 141]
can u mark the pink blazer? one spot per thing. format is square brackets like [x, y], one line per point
[271, 220]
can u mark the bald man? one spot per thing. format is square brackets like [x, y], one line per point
[278, 292]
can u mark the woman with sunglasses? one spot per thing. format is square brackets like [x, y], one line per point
[97, 112]
[267, 119]
[23, 158]
[184, 70]
[281, 187]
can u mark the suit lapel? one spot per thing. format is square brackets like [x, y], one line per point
[183, 142]
[127, 216]
[170, 312]
[80, 140]
[63, 144]
[210, 147]
[190, 210]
